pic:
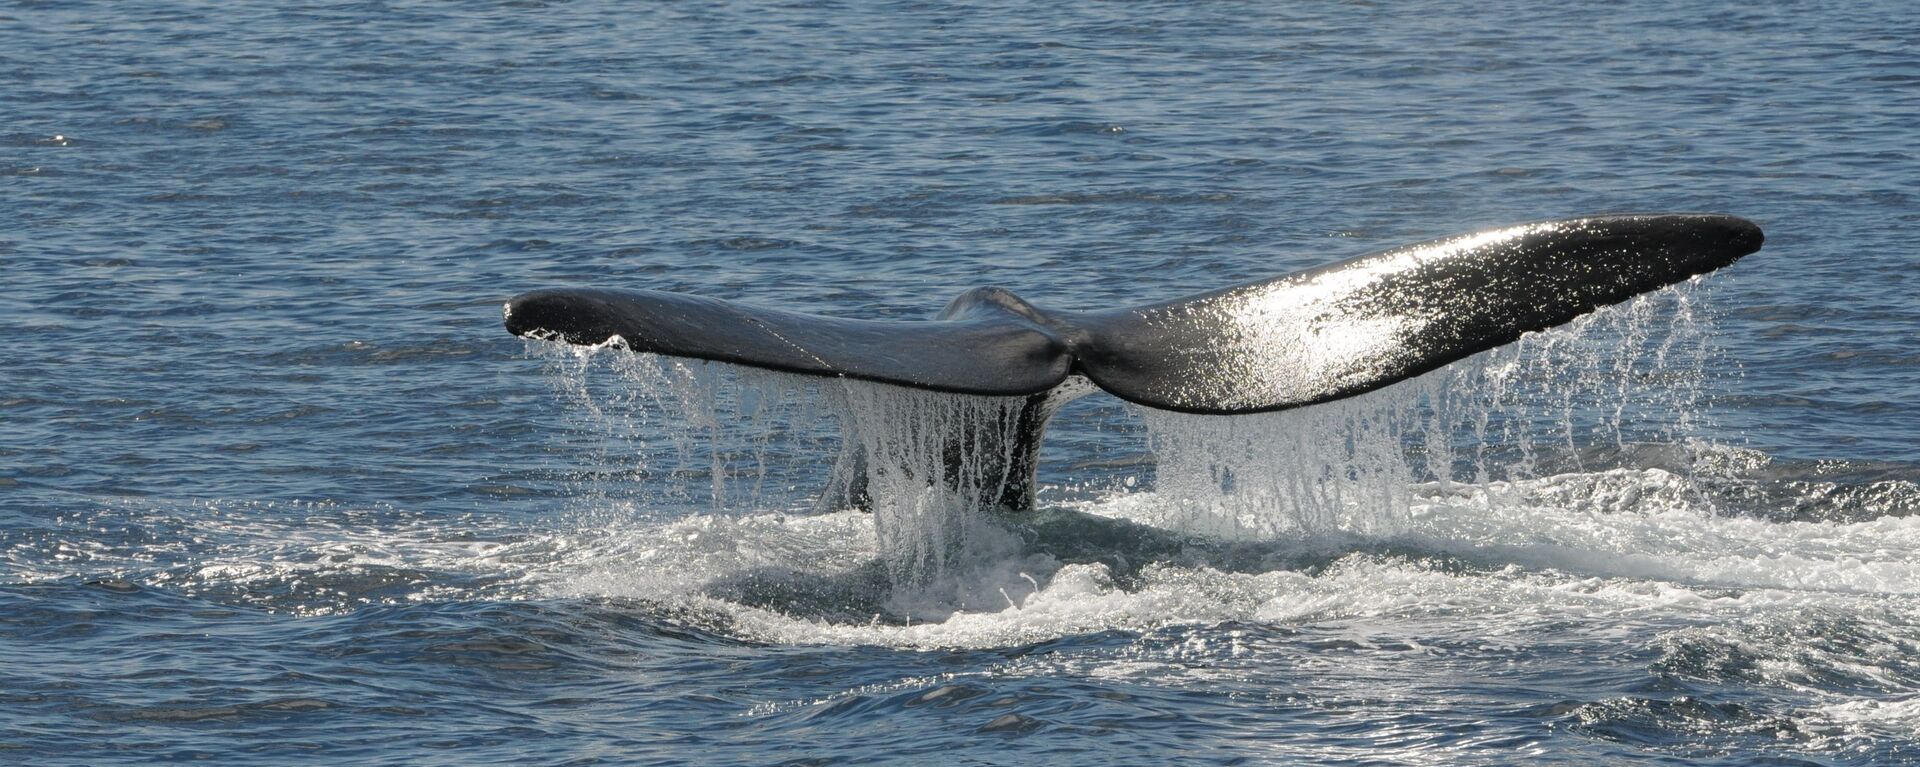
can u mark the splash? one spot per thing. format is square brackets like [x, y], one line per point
[682, 437]
[665, 437]
[679, 437]
[1337, 467]
[1552, 402]
[934, 464]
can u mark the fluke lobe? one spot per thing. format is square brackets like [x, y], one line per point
[1305, 338]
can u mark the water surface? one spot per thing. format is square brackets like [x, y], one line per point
[275, 487]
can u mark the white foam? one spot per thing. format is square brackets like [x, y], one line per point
[1650, 524]
[1527, 564]
[1866, 719]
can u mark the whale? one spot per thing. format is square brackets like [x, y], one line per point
[1311, 337]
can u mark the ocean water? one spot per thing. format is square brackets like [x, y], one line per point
[277, 488]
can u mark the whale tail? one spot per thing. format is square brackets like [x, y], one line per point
[1302, 339]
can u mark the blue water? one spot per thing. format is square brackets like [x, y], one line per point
[276, 487]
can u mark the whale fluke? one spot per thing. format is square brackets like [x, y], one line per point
[1358, 325]
[985, 354]
[1310, 337]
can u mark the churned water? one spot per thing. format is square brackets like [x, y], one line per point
[276, 487]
